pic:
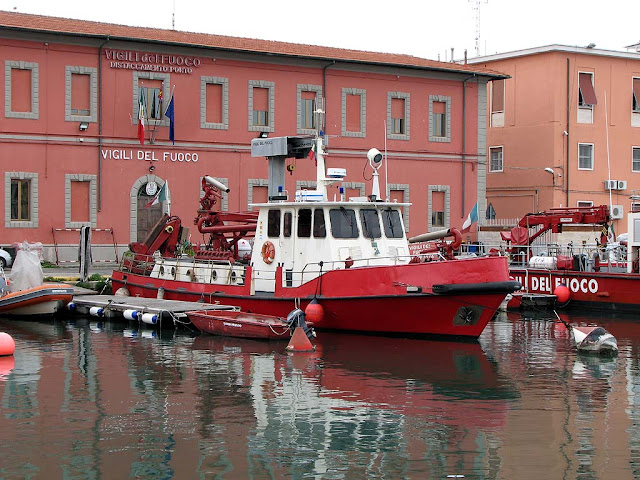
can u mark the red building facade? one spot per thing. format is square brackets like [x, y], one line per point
[71, 155]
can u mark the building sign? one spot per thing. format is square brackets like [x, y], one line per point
[151, 62]
[149, 155]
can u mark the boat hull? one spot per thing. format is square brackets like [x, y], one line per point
[240, 324]
[592, 290]
[45, 299]
[399, 299]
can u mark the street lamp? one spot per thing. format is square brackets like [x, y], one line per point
[553, 172]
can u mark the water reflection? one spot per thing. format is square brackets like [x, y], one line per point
[99, 399]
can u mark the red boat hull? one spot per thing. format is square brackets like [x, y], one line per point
[399, 299]
[240, 324]
[599, 290]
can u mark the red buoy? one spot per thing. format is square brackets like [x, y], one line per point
[314, 312]
[7, 345]
[563, 293]
[300, 342]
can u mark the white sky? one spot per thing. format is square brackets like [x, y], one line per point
[424, 28]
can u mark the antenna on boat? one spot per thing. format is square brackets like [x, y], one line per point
[386, 177]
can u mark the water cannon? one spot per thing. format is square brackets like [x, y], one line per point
[216, 183]
[375, 158]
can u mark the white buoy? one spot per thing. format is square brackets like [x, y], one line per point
[131, 314]
[96, 311]
[150, 318]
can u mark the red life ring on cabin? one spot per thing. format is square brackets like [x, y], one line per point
[268, 252]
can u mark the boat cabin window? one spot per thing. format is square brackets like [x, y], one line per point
[319, 228]
[370, 223]
[343, 223]
[392, 223]
[286, 225]
[304, 223]
[273, 224]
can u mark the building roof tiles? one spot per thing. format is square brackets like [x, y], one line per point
[66, 26]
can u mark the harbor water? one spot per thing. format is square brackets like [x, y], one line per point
[83, 398]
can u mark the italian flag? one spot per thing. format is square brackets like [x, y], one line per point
[141, 122]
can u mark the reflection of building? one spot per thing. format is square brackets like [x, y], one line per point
[557, 123]
[74, 92]
[90, 401]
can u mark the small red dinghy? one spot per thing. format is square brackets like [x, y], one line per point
[242, 324]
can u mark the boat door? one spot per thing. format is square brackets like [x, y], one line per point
[287, 245]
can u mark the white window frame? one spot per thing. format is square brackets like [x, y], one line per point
[633, 160]
[592, 156]
[584, 204]
[495, 147]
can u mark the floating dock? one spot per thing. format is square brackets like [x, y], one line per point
[152, 311]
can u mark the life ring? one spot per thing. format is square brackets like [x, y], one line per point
[268, 252]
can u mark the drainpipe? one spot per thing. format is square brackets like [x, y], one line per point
[100, 123]
[464, 143]
[324, 92]
[566, 169]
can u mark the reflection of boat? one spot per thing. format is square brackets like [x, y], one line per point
[352, 256]
[241, 324]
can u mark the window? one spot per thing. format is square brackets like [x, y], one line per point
[399, 192]
[398, 115]
[497, 103]
[586, 92]
[497, 96]
[584, 204]
[370, 223]
[20, 200]
[635, 162]
[354, 108]
[80, 200]
[437, 208]
[495, 159]
[214, 109]
[261, 106]
[319, 228]
[392, 223]
[343, 223]
[440, 118]
[585, 156]
[152, 90]
[150, 96]
[273, 224]
[309, 97]
[490, 214]
[286, 225]
[21, 90]
[81, 94]
[635, 95]
[304, 223]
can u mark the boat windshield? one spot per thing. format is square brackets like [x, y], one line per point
[343, 223]
[392, 223]
[370, 223]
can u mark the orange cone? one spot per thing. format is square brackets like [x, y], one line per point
[299, 342]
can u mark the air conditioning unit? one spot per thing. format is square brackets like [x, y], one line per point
[617, 211]
[610, 184]
[622, 184]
